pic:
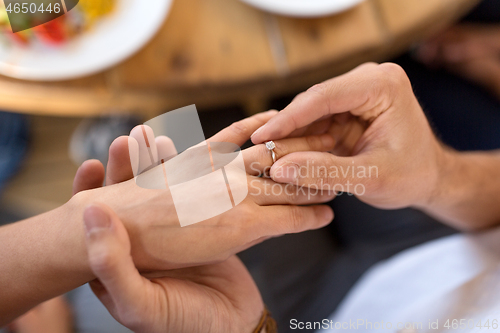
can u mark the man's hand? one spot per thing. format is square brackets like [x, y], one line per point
[469, 50]
[213, 298]
[385, 150]
[380, 126]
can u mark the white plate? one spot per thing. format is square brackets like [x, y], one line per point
[304, 8]
[114, 38]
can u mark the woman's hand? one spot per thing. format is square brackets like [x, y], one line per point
[469, 50]
[213, 298]
[270, 209]
[385, 150]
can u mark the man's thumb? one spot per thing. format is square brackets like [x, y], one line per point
[108, 248]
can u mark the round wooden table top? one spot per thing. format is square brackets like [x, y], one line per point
[216, 52]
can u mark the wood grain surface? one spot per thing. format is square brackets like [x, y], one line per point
[219, 52]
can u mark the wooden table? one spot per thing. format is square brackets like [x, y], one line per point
[216, 52]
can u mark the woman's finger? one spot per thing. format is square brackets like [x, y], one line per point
[124, 157]
[258, 158]
[148, 153]
[89, 175]
[119, 168]
[166, 148]
[239, 132]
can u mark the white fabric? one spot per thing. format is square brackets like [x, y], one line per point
[457, 277]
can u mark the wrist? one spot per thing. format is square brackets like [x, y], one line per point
[44, 257]
[465, 195]
[446, 165]
[75, 255]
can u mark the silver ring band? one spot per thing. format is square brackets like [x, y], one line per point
[270, 145]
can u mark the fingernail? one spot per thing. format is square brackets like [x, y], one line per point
[95, 218]
[327, 140]
[259, 130]
[288, 173]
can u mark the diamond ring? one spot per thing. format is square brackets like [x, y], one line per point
[271, 146]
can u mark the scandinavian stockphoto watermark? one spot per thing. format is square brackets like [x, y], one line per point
[341, 179]
[27, 14]
[356, 324]
[363, 325]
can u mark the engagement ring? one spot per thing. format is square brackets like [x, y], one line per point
[270, 146]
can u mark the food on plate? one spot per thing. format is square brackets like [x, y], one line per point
[58, 31]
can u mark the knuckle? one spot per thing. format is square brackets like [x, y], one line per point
[80, 199]
[320, 181]
[295, 218]
[313, 142]
[299, 96]
[246, 212]
[393, 73]
[320, 88]
[322, 174]
[368, 68]
[372, 185]
[388, 81]
[239, 127]
[280, 150]
[322, 91]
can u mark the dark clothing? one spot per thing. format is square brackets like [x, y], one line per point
[13, 144]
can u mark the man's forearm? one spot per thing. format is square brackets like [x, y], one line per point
[467, 195]
[42, 257]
